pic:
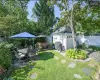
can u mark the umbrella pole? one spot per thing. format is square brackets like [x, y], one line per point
[33, 44]
[25, 43]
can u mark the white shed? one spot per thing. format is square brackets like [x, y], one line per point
[64, 36]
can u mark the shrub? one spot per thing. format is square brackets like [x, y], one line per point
[94, 48]
[5, 45]
[5, 57]
[76, 54]
[5, 54]
[40, 39]
[82, 46]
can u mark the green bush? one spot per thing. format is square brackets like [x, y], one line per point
[82, 46]
[76, 54]
[94, 48]
[5, 57]
[18, 42]
[5, 45]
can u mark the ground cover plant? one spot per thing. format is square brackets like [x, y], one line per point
[76, 54]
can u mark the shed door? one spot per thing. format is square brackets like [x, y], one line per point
[69, 42]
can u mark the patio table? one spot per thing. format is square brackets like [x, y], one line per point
[23, 50]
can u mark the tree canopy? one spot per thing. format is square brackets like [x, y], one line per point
[13, 17]
[85, 17]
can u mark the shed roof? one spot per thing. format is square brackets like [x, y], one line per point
[63, 30]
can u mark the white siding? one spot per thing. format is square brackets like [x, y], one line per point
[66, 42]
[57, 38]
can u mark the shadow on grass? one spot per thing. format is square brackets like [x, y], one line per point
[44, 56]
[22, 73]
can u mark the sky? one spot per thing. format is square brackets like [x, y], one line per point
[31, 5]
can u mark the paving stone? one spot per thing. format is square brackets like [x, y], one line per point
[72, 65]
[87, 71]
[56, 57]
[77, 76]
[63, 61]
[33, 76]
[86, 60]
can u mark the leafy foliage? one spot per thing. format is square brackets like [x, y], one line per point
[13, 18]
[76, 54]
[94, 48]
[85, 18]
[82, 46]
[5, 57]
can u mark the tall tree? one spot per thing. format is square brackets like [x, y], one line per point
[67, 15]
[45, 16]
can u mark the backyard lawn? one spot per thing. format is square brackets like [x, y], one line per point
[50, 65]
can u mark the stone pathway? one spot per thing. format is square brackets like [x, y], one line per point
[72, 65]
[77, 76]
[33, 76]
[56, 57]
[63, 61]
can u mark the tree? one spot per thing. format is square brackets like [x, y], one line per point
[67, 19]
[13, 17]
[45, 16]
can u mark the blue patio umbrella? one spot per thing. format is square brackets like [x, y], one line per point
[23, 35]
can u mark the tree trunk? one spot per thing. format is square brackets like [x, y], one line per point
[72, 28]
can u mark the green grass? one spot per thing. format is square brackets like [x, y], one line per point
[47, 68]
